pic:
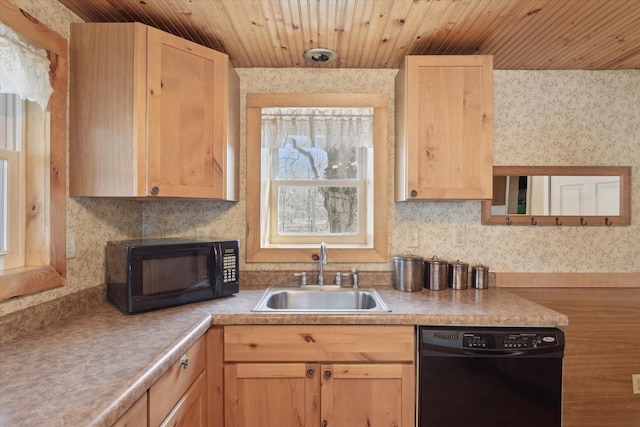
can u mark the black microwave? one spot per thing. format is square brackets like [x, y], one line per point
[150, 274]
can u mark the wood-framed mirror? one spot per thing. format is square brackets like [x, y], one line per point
[559, 196]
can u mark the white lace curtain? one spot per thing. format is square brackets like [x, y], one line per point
[317, 127]
[24, 69]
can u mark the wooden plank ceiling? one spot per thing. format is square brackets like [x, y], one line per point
[521, 34]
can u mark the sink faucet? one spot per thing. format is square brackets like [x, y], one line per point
[323, 261]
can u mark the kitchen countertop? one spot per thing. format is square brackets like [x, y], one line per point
[88, 369]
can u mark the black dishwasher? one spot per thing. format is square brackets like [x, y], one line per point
[498, 377]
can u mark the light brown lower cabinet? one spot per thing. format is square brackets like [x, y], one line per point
[178, 397]
[180, 394]
[191, 409]
[319, 376]
[136, 416]
[367, 394]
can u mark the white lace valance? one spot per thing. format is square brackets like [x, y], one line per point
[317, 127]
[24, 69]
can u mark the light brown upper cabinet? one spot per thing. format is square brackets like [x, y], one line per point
[444, 128]
[152, 115]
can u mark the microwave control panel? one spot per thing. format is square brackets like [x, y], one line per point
[229, 264]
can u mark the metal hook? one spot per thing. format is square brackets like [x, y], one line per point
[558, 222]
[533, 221]
[508, 221]
[583, 222]
[607, 221]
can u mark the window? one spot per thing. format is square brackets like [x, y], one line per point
[318, 176]
[317, 173]
[44, 265]
[12, 173]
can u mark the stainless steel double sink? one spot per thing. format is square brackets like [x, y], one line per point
[320, 299]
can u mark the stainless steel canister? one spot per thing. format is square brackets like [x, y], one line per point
[436, 274]
[408, 271]
[480, 276]
[458, 275]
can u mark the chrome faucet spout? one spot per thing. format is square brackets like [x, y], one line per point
[322, 261]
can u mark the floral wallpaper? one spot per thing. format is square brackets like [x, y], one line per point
[541, 118]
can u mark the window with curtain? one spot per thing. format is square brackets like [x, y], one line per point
[44, 151]
[24, 77]
[25, 90]
[317, 172]
[317, 177]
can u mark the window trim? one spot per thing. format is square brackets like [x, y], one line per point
[26, 280]
[255, 102]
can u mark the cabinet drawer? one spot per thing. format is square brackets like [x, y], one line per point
[136, 416]
[167, 391]
[289, 343]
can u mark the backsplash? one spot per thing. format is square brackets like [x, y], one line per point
[541, 118]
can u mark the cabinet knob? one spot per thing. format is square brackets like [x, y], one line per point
[311, 372]
[184, 362]
[155, 190]
[327, 373]
[324, 423]
[414, 193]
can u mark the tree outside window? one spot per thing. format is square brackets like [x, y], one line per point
[317, 172]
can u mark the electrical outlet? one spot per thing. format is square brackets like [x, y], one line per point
[71, 244]
[459, 236]
[635, 379]
[413, 238]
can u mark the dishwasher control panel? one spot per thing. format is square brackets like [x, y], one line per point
[509, 340]
[490, 340]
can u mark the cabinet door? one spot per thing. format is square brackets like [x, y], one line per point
[271, 395]
[181, 97]
[367, 395]
[174, 383]
[107, 128]
[445, 151]
[191, 409]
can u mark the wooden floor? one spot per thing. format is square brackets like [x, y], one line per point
[602, 352]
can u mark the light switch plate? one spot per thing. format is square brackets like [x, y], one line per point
[413, 238]
[635, 378]
[71, 244]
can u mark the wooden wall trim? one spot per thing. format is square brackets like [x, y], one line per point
[596, 389]
[568, 280]
[32, 29]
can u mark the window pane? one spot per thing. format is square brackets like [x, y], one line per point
[318, 210]
[4, 206]
[11, 111]
[296, 162]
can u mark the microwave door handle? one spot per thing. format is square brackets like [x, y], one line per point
[216, 268]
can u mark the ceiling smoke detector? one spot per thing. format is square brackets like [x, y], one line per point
[320, 56]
